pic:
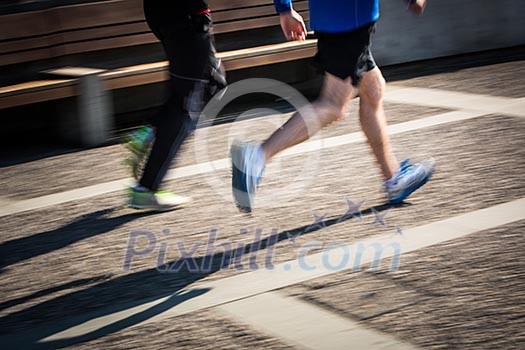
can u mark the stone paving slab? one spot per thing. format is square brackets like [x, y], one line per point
[502, 79]
[84, 240]
[205, 329]
[64, 172]
[464, 294]
[307, 325]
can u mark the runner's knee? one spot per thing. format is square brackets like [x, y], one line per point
[372, 87]
[328, 111]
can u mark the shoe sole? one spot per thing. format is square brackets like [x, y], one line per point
[156, 209]
[244, 210]
[411, 190]
[239, 195]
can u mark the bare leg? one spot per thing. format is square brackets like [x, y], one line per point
[373, 121]
[304, 123]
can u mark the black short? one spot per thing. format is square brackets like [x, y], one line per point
[346, 54]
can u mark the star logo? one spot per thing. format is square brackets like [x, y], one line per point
[379, 218]
[399, 231]
[291, 238]
[353, 210]
[318, 222]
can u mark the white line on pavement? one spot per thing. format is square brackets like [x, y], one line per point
[312, 266]
[196, 169]
[304, 324]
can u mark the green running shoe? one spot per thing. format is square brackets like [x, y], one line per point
[139, 144]
[155, 200]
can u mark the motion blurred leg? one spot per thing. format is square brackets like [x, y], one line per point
[373, 121]
[303, 124]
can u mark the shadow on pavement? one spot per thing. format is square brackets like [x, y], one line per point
[127, 291]
[90, 225]
[42, 293]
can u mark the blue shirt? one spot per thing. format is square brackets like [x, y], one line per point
[337, 15]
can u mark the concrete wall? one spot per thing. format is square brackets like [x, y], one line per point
[448, 27]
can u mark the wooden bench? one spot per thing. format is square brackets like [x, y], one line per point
[102, 25]
[66, 30]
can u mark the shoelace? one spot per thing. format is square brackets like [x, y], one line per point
[404, 168]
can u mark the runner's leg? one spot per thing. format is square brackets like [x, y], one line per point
[329, 107]
[373, 121]
[188, 44]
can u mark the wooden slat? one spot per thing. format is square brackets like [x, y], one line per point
[79, 35]
[50, 21]
[37, 43]
[236, 14]
[22, 25]
[36, 91]
[35, 97]
[251, 23]
[103, 44]
[103, 32]
[269, 59]
[32, 86]
[26, 56]
[232, 60]
[218, 5]
[73, 48]
[266, 49]
[73, 72]
[99, 13]
[138, 79]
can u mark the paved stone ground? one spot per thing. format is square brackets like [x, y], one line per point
[65, 260]
[463, 294]
[202, 330]
[503, 79]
